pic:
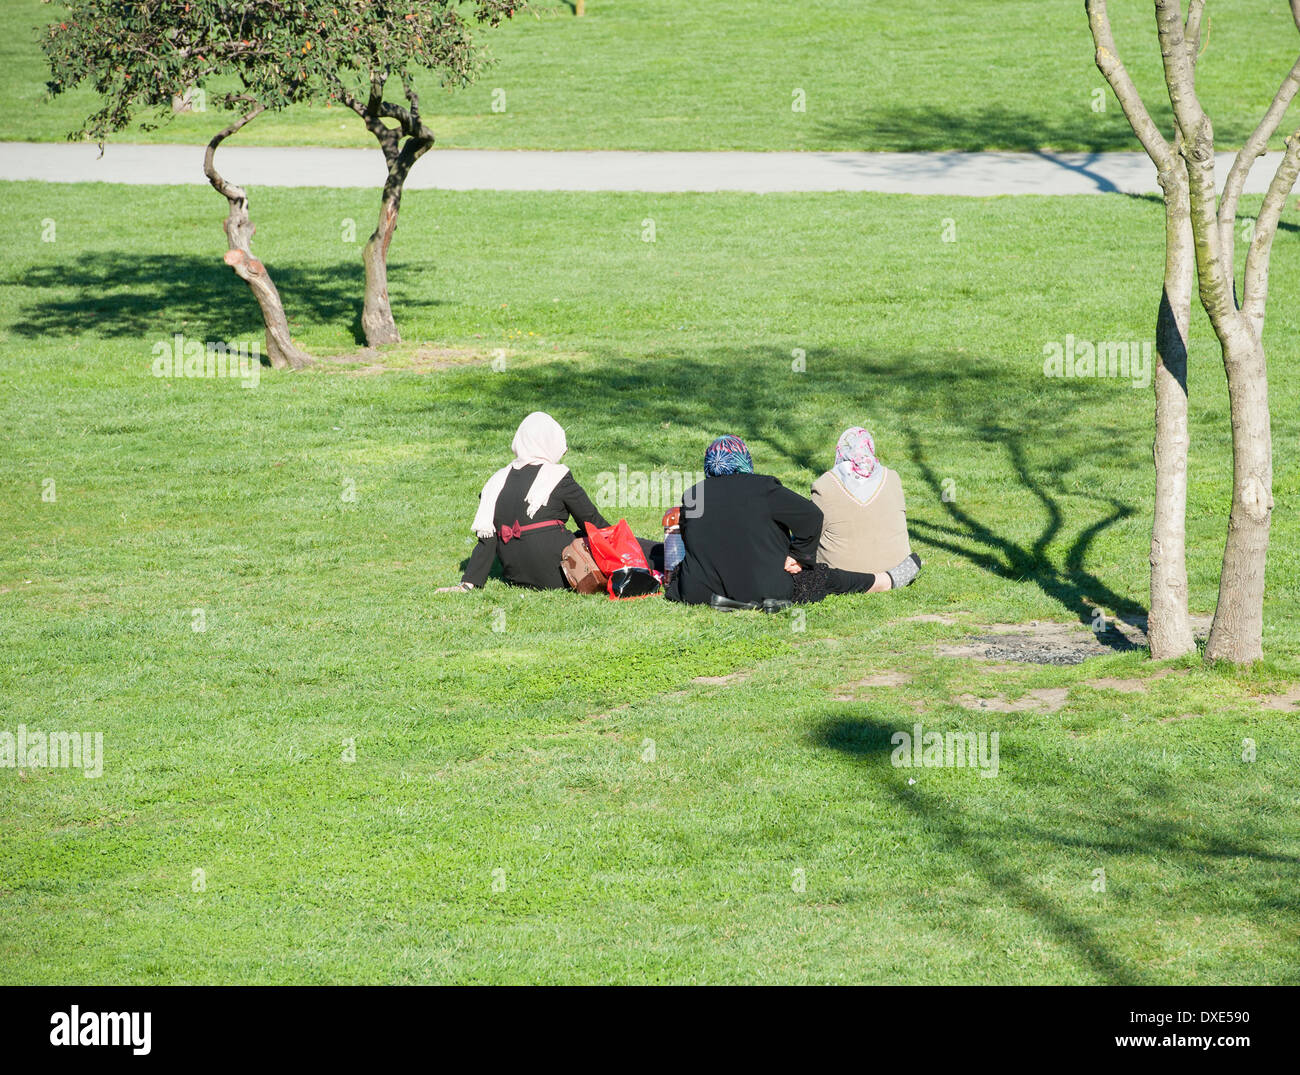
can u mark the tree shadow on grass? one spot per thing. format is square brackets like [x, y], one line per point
[1069, 583]
[1158, 199]
[995, 128]
[930, 128]
[792, 421]
[119, 295]
[1060, 822]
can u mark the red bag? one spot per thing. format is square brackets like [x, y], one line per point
[619, 557]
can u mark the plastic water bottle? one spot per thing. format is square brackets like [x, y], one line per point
[674, 547]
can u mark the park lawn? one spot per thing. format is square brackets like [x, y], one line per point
[552, 788]
[663, 75]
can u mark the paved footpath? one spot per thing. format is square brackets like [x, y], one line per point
[952, 173]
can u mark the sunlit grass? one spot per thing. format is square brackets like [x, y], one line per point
[769, 838]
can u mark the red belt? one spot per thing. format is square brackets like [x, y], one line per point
[508, 533]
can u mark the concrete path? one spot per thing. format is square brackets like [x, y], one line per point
[952, 173]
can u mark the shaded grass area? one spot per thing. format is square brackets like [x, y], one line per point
[654, 74]
[541, 791]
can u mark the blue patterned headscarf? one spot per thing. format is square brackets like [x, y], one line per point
[727, 455]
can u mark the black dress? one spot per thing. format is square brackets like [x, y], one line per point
[738, 532]
[533, 558]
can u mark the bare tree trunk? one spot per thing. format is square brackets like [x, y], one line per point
[1169, 628]
[402, 146]
[1238, 631]
[280, 348]
[377, 314]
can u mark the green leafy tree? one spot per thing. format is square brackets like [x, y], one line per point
[252, 57]
[363, 53]
[140, 57]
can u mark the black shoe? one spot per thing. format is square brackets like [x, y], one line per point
[726, 604]
[776, 604]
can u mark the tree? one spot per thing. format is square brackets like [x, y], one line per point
[1237, 631]
[1169, 628]
[140, 55]
[139, 58]
[353, 51]
[280, 348]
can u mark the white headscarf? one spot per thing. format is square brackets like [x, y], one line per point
[539, 439]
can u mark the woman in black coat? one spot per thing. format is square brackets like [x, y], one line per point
[749, 539]
[523, 510]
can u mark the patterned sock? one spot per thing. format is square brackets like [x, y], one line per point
[904, 573]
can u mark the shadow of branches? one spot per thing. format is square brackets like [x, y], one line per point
[120, 294]
[792, 422]
[1080, 829]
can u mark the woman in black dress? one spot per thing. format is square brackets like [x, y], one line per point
[523, 509]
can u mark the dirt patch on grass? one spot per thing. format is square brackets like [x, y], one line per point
[1288, 701]
[1038, 642]
[1050, 642]
[368, 361]
[721, 681]
[932, 617]
[1124, 686]
[876, 679]
[1133, 685]
[1043, 700]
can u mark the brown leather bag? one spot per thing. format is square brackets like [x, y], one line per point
[580, 568]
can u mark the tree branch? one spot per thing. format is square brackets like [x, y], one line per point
[371, 113]
[1130, 100]
[1251, 151]
[413, 99]
[1192, 28]
[1255, 283]
[227, 189]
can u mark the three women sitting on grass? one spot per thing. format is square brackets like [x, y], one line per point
[749, 541]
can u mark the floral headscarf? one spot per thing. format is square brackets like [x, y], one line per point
[856, 464]
[858, 450]
[727, 455]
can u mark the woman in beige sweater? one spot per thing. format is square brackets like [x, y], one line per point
[864, 514]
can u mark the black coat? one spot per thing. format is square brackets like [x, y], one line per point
[532, 559]
[743, 528]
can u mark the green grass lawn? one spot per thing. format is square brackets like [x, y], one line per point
[502, 736]
[660, 74]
